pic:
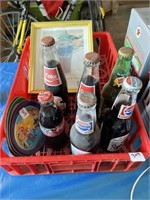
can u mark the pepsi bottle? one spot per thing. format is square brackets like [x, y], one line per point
[117, 122]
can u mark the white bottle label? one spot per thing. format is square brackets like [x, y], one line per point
[53, 132]
[116, 143]
[125, 112]
[84, 127]
[77, 151]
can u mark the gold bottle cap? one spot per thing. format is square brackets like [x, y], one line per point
[92, 57]
[47, 41]
[126, 52]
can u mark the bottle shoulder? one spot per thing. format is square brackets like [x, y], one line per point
[51, 110]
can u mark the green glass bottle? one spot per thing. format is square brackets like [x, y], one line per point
[120, 71]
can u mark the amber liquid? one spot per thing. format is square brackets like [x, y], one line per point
[50, 117]
[60, 90]
[91, 81]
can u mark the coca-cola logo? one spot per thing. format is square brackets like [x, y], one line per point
[86, 88]
[52, 77]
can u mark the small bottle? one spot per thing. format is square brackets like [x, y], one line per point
[85, 133]
[51, 121]
[120, 71]
[54, 77]
[117, 122]
[90, 78]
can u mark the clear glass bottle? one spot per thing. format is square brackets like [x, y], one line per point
[90, 77]
[117, 122]
[85, 133]
[51, 121]
[54, 78]
[119, 72]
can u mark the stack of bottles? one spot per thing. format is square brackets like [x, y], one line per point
[103, 119]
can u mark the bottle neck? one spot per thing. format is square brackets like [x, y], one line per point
[91, 70]
[49, 54]
[90, 111]
[45, 105]
[86, 109]
[125, 103]
[120, 70]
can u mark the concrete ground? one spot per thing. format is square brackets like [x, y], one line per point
[117, 23]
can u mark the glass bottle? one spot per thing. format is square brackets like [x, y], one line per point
[54, 78]
[119, 72]
[85, 133]
[51, 121]
[90, 77]
[117, 122]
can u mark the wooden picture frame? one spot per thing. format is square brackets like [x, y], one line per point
[81, 35]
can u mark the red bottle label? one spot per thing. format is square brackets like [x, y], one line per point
[51, 76]
[118, 81]
[86, 88]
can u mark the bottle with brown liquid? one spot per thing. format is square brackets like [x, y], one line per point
[51, 121]
[90, 78]
[54, 77]
[117, 122]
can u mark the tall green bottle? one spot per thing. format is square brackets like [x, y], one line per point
[120, 71]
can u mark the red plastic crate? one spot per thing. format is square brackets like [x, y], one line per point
[134, 154]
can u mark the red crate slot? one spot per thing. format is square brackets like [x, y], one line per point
[134, 153]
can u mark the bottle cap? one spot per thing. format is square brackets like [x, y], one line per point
[92, 58]
[45, 97]
[47, 41]
[132, 83]
[126, 52]
[86, 99]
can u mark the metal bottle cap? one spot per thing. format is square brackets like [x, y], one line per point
[92, 58]
[47, 41]
[132, 84]
[45, 97]
[126, 52]
[86, 100]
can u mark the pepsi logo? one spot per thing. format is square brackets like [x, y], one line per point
[129, 111]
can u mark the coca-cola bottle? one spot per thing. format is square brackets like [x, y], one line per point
[117, 122]
[85, 133]
[51, 121]
[120, 71]
[54, 77]
[90, 78]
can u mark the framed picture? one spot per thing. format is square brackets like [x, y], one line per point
[79, 36]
